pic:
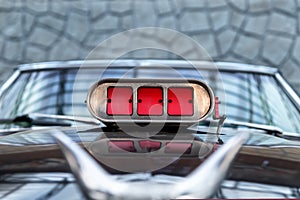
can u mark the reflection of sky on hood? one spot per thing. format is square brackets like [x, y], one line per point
[43, 137]
[87, 134]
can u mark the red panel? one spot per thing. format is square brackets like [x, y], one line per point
[180, 101]
[121, 146]
[119, 101]
[178, 147]
[150, 101]
[149, 145]
[217, 102]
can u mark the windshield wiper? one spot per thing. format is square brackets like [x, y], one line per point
[272, 130]
[38, 119]
[86, 120]
[269, 129]
[27, 121]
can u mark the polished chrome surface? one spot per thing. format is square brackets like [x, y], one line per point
[54, 186]
[210, 175]
[203, 100]
[226, 66]
[86, 120]
[241, 67]
[85, 169]
[9, 82]
[272, 129]
[288, 89]
[269, 128]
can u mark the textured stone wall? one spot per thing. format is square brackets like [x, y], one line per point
[248, 31]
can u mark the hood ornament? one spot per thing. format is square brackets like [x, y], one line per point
[96, 183]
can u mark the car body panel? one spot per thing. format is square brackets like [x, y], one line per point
[32, 164]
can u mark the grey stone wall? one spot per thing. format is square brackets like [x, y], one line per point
[248, 31]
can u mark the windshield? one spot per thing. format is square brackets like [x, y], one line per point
[249, 97]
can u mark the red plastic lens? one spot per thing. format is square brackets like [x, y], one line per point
[121, 146]
[178, 147]
[150, 145]
[150, 101]
[119, 101]
[180, 101]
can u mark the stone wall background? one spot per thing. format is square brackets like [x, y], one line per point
[249, 31]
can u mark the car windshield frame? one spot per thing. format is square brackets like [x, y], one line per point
[176, 64]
